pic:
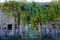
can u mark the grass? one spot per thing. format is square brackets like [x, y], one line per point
[46, 37]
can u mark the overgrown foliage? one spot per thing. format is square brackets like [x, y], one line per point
[32, 13]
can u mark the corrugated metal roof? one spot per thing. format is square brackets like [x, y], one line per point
[45, 3]
[55, 22]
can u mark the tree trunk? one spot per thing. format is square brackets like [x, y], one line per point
[18, 23]
[15, 25]
[41, 29]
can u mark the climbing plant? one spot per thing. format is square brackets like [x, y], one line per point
[53, 11]
[32, 12]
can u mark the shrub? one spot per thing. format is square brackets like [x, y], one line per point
[47, 37]
[13, 38]
[1, 38]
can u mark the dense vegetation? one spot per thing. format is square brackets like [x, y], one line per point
[32, 13]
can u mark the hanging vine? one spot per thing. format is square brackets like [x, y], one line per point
[32, 12]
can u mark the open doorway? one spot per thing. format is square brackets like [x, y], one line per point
[9, 26]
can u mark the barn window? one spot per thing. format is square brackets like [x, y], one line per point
[53, 26]
[58, 25]
[4, 27]
[9, 26]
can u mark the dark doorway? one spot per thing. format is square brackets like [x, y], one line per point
[9, 26]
